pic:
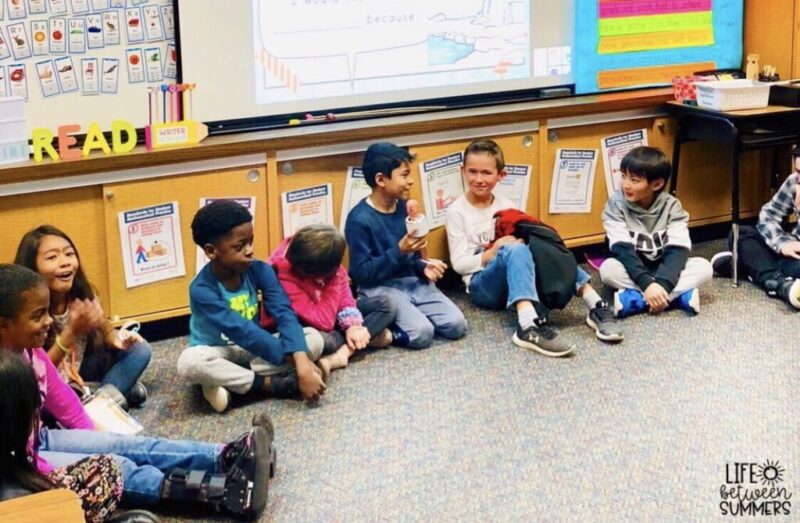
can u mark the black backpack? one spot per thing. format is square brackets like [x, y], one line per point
[556, 267]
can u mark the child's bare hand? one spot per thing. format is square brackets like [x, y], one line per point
[309, 378]
[357, 337]
[434, 269]
[123, 344]
[657, 297]
[85, 316]
[791, 249]
[409, 244]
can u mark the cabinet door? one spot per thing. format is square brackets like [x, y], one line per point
[78, 212]
[170, 297]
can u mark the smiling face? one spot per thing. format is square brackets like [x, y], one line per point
[57, 262]
[233, 252]
[28, 329]
[398, 186]
[636, 189]
[481, 175]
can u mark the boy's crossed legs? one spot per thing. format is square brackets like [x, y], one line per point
[778, 275]
[422, 311]
[684, 295]
[221, 370]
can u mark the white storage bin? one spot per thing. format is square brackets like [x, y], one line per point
[732, 95]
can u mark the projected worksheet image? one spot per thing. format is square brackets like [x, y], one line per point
[311, 49]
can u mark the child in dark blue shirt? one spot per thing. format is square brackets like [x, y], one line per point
[228, 351]
[385, 260]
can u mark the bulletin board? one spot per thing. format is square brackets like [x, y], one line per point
[636, 43]
[83, 61]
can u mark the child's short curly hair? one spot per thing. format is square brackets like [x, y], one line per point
[217, 219]
[14, 280]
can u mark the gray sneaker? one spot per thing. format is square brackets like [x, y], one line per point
[605, 326]
[542, 339]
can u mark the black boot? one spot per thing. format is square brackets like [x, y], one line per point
[242, 490]
[243, 444]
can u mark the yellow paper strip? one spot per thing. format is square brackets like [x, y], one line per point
[644, 42]
[629, 25]
[619, 78]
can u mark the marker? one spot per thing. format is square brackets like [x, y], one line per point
[294, 121]
[164, 88]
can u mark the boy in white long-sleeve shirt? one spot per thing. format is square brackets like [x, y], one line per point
[502, 276]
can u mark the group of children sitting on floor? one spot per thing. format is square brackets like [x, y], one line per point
[280, 327]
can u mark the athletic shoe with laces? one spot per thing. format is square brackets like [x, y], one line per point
[689, 301]
[542, 339]
[217, 397]
[628, 302]
[601, 319]
[722, 263]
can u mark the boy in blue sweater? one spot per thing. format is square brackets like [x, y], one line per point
[385, 260]
[228, 351]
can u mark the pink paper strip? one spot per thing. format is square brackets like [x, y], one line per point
[617, 8]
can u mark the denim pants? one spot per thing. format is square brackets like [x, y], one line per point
[144, 461]
[422, 311]
[120, 368]
[510, 277]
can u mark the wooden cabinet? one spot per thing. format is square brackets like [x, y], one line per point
[171, 297]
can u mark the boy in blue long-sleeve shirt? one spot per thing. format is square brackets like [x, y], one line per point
[385, 260]
[228, 351]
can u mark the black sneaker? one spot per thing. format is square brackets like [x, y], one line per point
[137, 395]
[542, 339]
[722, 263]
[606, 327]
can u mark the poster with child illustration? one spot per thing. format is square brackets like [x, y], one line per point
[152, 249]
[442, 184]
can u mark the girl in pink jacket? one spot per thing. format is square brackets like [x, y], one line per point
[309, 267]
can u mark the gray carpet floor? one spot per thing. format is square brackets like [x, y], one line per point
[478, 429]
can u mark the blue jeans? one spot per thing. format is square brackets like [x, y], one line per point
[510, 277]
[143, 460]
[120, 368]
[422, 311]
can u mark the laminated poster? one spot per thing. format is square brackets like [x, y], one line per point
[515, 185]
[614, 150]
[306, 207]
[355, 190]
[442, 184]
[152, 249]
[573, 181]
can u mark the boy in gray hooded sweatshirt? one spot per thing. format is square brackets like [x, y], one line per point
[648, 234]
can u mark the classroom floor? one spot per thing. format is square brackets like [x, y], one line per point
[479, 429]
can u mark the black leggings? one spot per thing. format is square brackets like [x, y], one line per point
[760, 263]
[378, 313]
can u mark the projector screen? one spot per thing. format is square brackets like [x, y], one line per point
[276, 59]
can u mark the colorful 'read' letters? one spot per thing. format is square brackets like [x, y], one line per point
[123, 140]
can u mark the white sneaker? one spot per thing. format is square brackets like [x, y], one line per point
[217, 397]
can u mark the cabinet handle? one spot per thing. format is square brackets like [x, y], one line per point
[110, 195]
